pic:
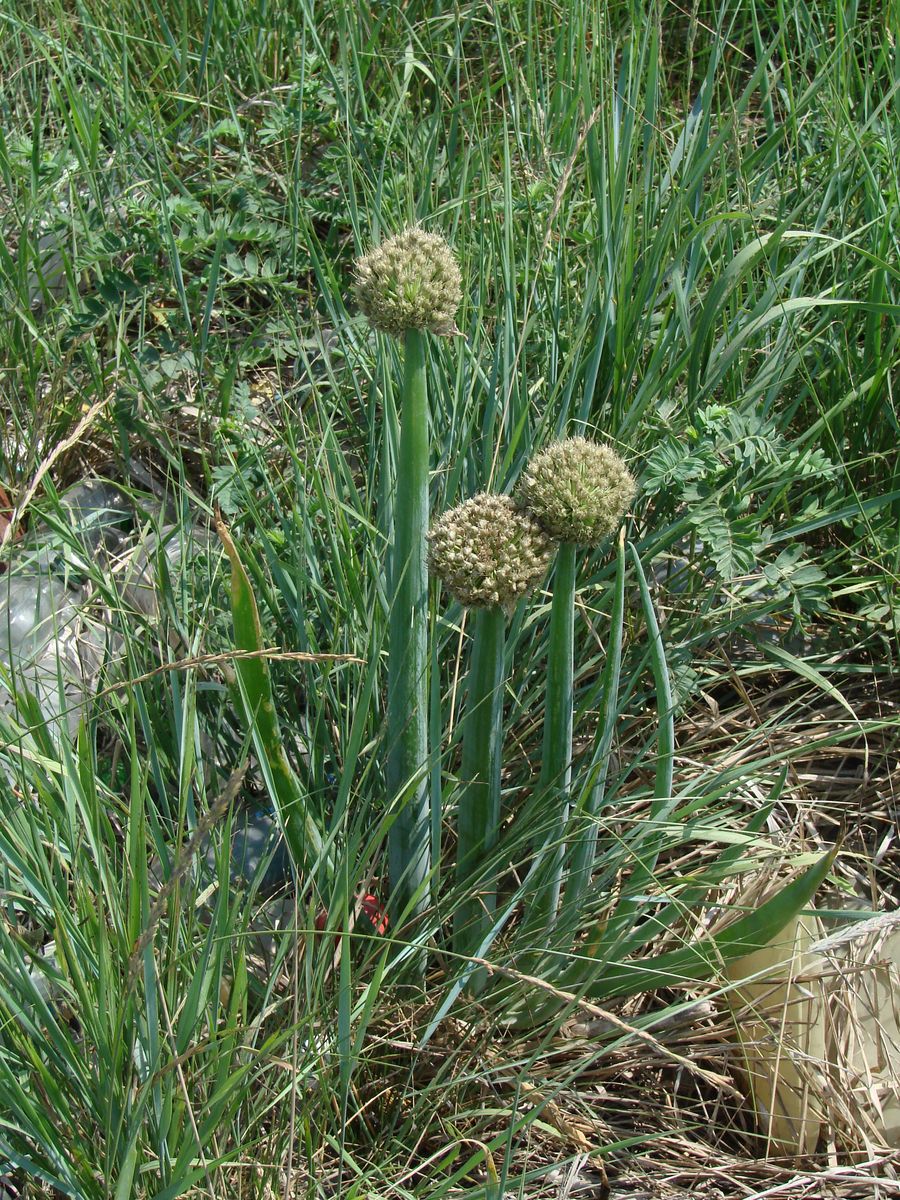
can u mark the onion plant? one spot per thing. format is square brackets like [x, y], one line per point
[674, 226]
[408, 286]
[578, 491]
[488, 553]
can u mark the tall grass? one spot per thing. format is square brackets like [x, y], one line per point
[677, 230]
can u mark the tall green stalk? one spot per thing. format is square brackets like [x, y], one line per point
[408, 286]
[409, 851]
[478, 814]
[578, 491]
[488, 553]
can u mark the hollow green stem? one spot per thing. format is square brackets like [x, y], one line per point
[409, 858]
[478, 818]
[556, 765]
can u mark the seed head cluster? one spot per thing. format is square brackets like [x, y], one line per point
[488, 551]
[577, 490]
[410, 281]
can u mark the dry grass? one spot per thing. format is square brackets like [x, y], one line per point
[663, 1114]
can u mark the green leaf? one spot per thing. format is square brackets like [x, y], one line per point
[808, 672]
[301, 833]
[704, 959]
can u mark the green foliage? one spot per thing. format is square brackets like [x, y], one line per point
[679, 233]
[301, 831]
[722, 472]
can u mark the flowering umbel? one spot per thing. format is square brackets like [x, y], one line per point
[488, 551]
[577, 490]
[410, 281]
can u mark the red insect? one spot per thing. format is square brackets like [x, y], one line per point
[373, 909]
[370, 905]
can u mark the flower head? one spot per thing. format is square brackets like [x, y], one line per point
[488, 551]
[577, 490]
[410, 281]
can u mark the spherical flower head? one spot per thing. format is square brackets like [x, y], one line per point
[410, 281]
[488, 551]
[577, 490]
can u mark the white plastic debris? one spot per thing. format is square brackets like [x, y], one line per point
[818, 1020]
[48, 647]
[53, 640]
[864, 1013]
[779, 1019]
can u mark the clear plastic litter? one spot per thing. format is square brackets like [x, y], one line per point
[99, 516]
[49, 647]
[259, 856]
[53, 642]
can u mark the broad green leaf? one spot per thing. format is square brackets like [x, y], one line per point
[704, 959]
[301, 832]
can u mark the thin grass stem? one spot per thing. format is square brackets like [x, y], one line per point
[583, 848]
[556, 763]
[478, 813]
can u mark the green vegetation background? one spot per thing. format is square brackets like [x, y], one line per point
[678, 229]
